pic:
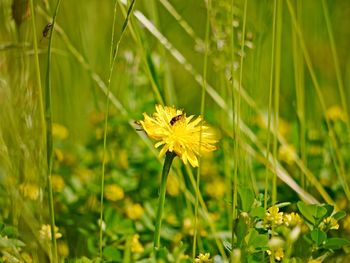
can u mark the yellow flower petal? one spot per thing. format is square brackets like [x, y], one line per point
[178, 133]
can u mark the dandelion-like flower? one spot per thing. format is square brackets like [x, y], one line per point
[187, 137]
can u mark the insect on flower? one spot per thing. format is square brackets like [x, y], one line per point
[176, 118]
[186, 136]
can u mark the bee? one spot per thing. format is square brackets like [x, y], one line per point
[176, 118]
[47, 29]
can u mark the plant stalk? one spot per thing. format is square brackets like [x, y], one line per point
[169, 157]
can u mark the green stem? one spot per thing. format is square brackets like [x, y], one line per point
[270, 100]
[49, 140]
[204, 87]
[169, 157]
[112, 60]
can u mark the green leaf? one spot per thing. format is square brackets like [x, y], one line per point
[257, 241]
[318, 236]
[111, 253]
[241, 230]
[306, 211]
[258, 212]
[314, 213]
[339, 215]
[336, 243]
[247, 198]
[329, 208]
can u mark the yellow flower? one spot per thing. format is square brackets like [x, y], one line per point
[314, 261]
[346, 223]
[57, 183]
[30, 190]
[113, 192]
[134, 211]
[63, 249]
[203, 258]
[59, 131]
[329, 223]
[178, 133]
[136, 246]
[45, 232]
[173, 185]
[335, 113]
[287, 153]
[215, 189]
[292, 219]
[273, 216]
[279, 253]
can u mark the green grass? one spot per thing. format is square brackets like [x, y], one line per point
[274, 85]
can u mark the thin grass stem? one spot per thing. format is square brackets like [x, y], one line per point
[336, 155]
[111, 67]
[205, 69]
[336, 63]
[49, 139]
[270, 98]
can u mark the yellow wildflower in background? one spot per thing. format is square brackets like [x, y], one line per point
[63, 249]
[59, 131]
[134, 211]
[113, 192]
[287, 153]
[314, 261]
[173, 185]
[273, 216]
[30, 190]
[329, 223]
[335, 113]
[203, 258]
[178, 133]
[215, 189]
[292, 219]
[136, 246]
[346, 223]
[57, 183]
[45, 232]
[279, 253]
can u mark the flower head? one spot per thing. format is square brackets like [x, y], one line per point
[292, 219]
[273, 216]
[136, 246]
[329, 223]
[113, 192]
[186, 136]
[279, 253]
[30, 190]
[59, 131]
[45, 232]
[134, 211]
[203, 258]
[336, 113]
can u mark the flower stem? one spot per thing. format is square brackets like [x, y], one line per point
[169, 157]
